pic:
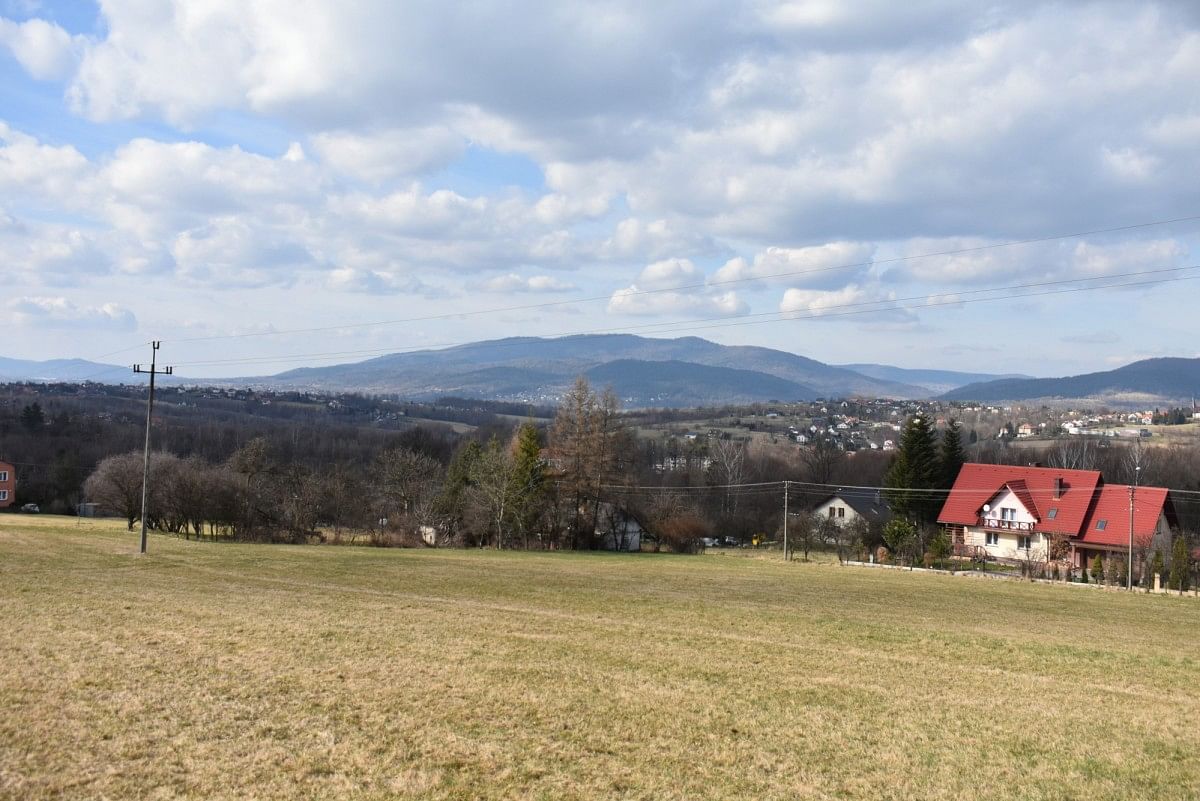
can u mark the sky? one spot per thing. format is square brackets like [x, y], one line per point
[842, 180]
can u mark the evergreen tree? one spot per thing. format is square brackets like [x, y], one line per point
[900, 536]
[1157, 567]
[32, 417]
[528, 481]
[451, 503]
[916, 467]
[1181, 563]
[952, 455]
[1098, 569]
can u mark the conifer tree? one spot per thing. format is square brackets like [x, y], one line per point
[916, 467]
[528, 481]
[952, 455]
[1098, 569]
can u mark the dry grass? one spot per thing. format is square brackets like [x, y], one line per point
[229, 671]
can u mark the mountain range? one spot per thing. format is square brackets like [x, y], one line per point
[643, 371]
[1147, 381]
[60, 370]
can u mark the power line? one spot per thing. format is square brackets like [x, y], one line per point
[856, 488]
[847, 309]
[702, 285]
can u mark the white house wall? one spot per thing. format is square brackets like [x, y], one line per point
[834, 503]
[1007, 499]
[1007, 547]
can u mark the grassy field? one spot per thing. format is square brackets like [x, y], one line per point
[238, 672]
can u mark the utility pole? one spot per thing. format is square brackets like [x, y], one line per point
[1137, 469]
[153, 371]
[785, 521]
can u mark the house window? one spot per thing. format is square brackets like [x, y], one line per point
[1008, 514]
[3, 495]
[832, 512]
[993, 538]
[1023, 543]
[1053, 513]
[841, 511]
[3, 475]
[1101, 525]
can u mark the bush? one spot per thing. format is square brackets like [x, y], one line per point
[1098, 569]
[939, 546]
[1157, 568]
[682, 533]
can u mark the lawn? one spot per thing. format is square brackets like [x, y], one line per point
[240, 671]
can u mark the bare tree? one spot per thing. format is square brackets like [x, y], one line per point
[116, 484]
[728, 468]
[822, 459]
[491, 489]
[1074, 454]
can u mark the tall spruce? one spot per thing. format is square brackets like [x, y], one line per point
[915, 467]
[529, 482]
[452, 502]
[952, 456]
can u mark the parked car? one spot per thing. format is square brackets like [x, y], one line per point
[710, 542]
[31, 508]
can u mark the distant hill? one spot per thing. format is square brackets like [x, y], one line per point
[1148, 381]
[936, 381]
[62, 370]
[535, 369]
[675, 383]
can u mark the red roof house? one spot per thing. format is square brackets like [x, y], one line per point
[1015, 512]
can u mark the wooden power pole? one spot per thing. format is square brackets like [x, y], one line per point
[153, 371]
[785, 521]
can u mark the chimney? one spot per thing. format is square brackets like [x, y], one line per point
[1058, 487]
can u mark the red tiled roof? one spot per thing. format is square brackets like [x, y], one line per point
[1112, 506]
[978, 483]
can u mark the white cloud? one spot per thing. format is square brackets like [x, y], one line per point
[670, 274]
[511, 282]
[37, 170]
[381, 156]
[380, 282]
[829, 265]
[1091, 259]
[774, 137]
[45, 50]
[59, 312]
[849, 301]
[630, 301]
[228, 252]
[674, 286]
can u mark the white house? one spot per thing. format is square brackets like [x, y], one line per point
[847, 505]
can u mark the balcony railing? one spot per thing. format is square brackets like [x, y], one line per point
[1008, 525]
